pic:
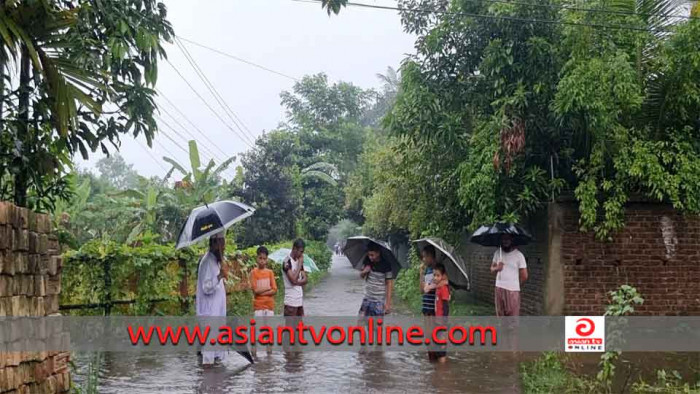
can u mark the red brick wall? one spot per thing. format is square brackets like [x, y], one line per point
[664, 269]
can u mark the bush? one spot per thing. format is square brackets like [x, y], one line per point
[143, 273]
[320, 253]
[406, 286]
[548, 374]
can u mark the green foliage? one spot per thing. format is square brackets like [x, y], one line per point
[666, 382]
[406, 286]
[494, 117]
[548, 374]
[90, 380]
[333, 6]
[320, 253]
[295, 176]
[114, 171]
[622, 302]
[271, 185]
[69, 58]
[198, 185]
[143, 273]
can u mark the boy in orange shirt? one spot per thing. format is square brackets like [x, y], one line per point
[262, 282]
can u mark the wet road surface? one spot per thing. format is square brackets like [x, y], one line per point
[339, 294]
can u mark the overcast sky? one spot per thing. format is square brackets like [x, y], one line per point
[293, 38]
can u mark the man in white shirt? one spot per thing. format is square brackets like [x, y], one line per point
[511, 271]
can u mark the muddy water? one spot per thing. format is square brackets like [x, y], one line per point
[339, 294]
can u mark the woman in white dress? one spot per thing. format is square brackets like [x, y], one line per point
[211, 294]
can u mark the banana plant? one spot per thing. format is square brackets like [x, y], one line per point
[198, 185]
[147, 204]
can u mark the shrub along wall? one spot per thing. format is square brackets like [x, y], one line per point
[30, 283]
[104, 276]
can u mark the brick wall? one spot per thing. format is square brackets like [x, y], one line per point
[571, 272]
[658, 252]
[30, 284]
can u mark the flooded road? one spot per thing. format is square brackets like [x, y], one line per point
[339, 294]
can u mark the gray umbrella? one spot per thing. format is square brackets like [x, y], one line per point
[356, 251]
[445, 254]
[210, 220]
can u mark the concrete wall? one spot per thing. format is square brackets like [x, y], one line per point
[30, 283]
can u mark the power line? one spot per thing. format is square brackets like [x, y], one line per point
[172, 156]
[203, 134]
[174, 142]
[212, 89]
[207, 104]
[222, 159]
[187, 140]
[212, 156]
[248, 62]
[189, 135]
[148, 152]
[492, 17]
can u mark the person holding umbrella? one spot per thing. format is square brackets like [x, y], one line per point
[511, 271]
[211, 294]
[379, 283]
[209, 222]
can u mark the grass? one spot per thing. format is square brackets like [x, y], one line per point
[549, 374]
[556, 373]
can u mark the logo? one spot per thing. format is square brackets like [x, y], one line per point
[584, 334]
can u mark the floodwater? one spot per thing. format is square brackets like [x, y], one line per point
[339, 294]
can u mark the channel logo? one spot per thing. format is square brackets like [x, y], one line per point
[584, 334]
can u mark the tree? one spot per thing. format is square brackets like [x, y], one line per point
[117, 172]
[498, 116]
[74, 59]
[333, 6]
[384, 99]
[272, 185]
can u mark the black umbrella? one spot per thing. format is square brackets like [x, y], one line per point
[356, 251]
[246, 354]
[210, 220]
[491, 235]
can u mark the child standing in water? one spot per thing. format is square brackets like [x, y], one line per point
[442, 304]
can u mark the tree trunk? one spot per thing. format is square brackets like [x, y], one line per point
[21, 178]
